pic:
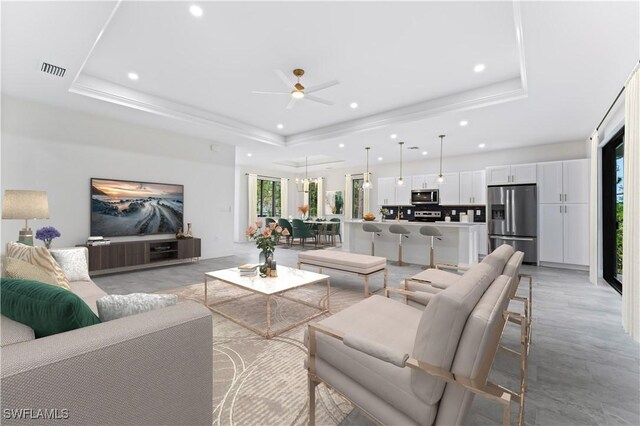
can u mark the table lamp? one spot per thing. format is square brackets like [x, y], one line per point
[17, 204]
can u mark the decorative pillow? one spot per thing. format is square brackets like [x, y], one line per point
[116, 306]
[47, 309]
[16, 268]
[40, 257]
[73, 262]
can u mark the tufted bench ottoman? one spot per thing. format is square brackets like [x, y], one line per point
[360, 264]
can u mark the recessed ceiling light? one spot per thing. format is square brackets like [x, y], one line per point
[379, 158]
[133, 76]
[341, 145]
[464, 123]
[195, 10]
[481, 145]
[479, 68]
[424, 152]
[280, 126]
[249, 154]
[393, 136]
[353, 105]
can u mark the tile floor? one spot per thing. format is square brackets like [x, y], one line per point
[583, 369]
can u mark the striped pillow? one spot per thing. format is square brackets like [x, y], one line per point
[16, 268]
[39, 256]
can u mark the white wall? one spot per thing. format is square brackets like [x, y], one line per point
[58, 151]
[334, 179]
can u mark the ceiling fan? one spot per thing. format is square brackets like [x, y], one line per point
[300, 92]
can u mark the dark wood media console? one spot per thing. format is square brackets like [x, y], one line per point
[129, 255]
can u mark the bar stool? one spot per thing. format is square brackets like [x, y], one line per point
[402, 232]
[433, 232]
[370, 227]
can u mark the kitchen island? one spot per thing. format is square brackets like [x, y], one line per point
[459, 244]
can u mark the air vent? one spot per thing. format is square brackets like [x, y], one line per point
[53, 70]
[413, 147]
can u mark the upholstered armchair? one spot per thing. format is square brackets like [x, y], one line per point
[402, 365]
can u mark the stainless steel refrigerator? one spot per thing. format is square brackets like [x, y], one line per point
[513, 219]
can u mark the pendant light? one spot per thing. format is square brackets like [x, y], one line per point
[441, 176]
[400, 181]
[367, 183]
[303, 185]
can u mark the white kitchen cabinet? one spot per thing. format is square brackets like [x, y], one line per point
[575, 181]
[386, 191]
[551, 234]
[498, 175]
[564, 233]
[523, 173]
[576, 234]
[390, 194]
[564, 182]
[483, 240]
[424, 181]
[513, 174]
[450, 189]
[550, 182]
[473, 187]
[403, 193]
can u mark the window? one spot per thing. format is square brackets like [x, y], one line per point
[313, 199]
[358, 198]
[612, 205]
[268, 198]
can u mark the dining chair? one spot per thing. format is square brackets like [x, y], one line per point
[302, 232]
[285, 224]
[337, 229]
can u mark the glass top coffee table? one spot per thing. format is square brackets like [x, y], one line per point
[287, 279]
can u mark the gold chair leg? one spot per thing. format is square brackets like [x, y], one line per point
[312, 401]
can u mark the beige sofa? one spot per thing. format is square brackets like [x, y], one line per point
[154, 368]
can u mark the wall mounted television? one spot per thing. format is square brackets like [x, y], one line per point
[124, 208]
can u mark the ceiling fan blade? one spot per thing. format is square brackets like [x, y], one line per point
[291, 103]
[321, 86]
[317, 99]
[271, 93]
[287, 82]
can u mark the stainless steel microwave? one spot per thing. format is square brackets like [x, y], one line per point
[425, 196]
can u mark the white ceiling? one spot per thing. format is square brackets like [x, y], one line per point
[408, 65]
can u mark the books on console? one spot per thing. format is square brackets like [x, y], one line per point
[97, 241]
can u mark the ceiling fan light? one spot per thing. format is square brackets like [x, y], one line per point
[297, 94]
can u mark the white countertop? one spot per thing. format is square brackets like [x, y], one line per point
[408, 223]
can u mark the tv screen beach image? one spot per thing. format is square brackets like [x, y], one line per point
[120, 208]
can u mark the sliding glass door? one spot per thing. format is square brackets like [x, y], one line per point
[612, 205]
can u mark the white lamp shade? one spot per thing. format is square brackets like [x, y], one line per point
[17, 204]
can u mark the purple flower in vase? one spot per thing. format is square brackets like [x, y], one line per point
[47, 234]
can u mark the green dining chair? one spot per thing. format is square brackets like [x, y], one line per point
[302, 232]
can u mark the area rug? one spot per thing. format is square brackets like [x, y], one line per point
[260, 381]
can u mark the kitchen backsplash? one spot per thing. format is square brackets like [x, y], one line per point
[453, 211]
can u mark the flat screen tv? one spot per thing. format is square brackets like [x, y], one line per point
[124, 208]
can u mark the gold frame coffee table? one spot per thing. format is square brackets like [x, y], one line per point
[287, 279]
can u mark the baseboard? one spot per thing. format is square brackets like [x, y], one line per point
[565, 266]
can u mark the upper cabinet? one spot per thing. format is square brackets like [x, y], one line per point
[386, 191]
[390, 194]
[575, 181]
[403, 193]
[564, 182]
[513, 174]
[450, 189]
[473, 187]
[424, 181]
